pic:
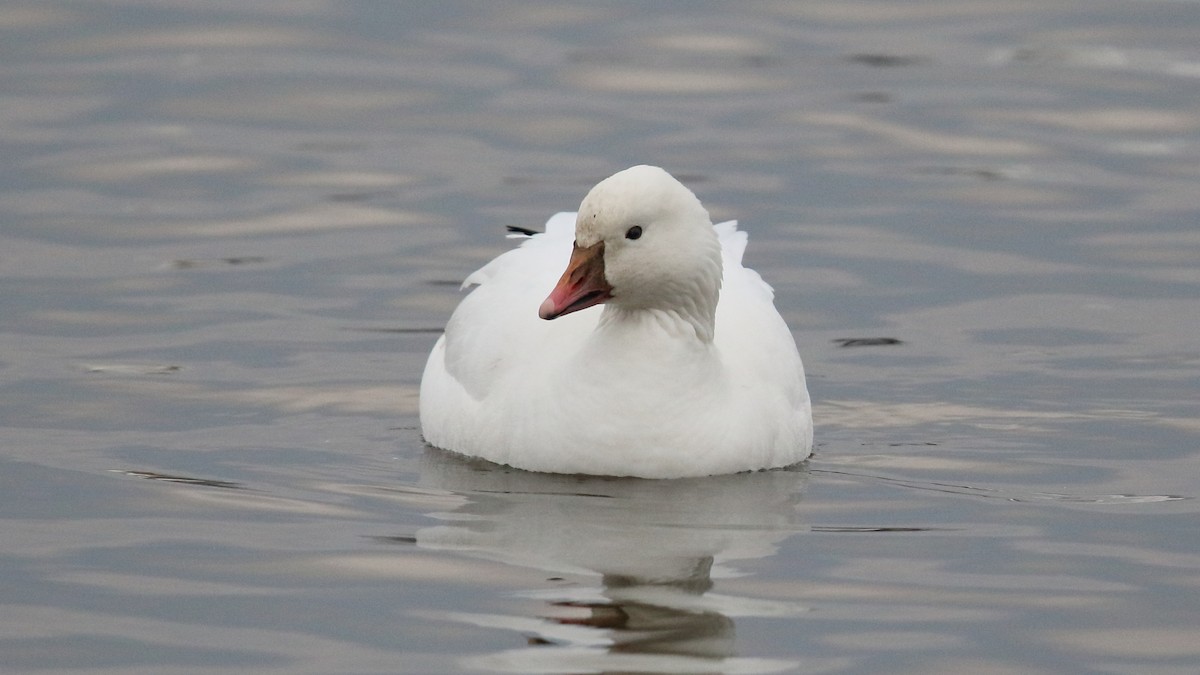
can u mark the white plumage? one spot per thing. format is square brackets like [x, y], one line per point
[686, 370]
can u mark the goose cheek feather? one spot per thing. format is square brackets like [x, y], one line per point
[582, 285]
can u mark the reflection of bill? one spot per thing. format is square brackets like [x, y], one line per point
[657, 547]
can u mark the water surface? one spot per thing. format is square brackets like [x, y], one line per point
[230, 234]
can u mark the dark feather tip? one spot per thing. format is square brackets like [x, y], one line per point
[517, 229]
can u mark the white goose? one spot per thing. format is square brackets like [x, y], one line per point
[684, 372]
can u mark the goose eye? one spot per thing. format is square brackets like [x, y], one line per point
[634, 232]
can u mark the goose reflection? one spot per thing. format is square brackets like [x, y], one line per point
[655, 546]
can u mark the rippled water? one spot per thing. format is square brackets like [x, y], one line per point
[230, 233]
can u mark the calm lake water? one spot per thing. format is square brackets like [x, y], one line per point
[230, 233]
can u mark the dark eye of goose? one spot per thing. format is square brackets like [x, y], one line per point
[634, 232]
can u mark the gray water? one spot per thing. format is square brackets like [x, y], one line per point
[230, 233]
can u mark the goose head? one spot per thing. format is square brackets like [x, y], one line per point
[643, 241]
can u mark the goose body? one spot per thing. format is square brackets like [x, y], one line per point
[686, 370]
